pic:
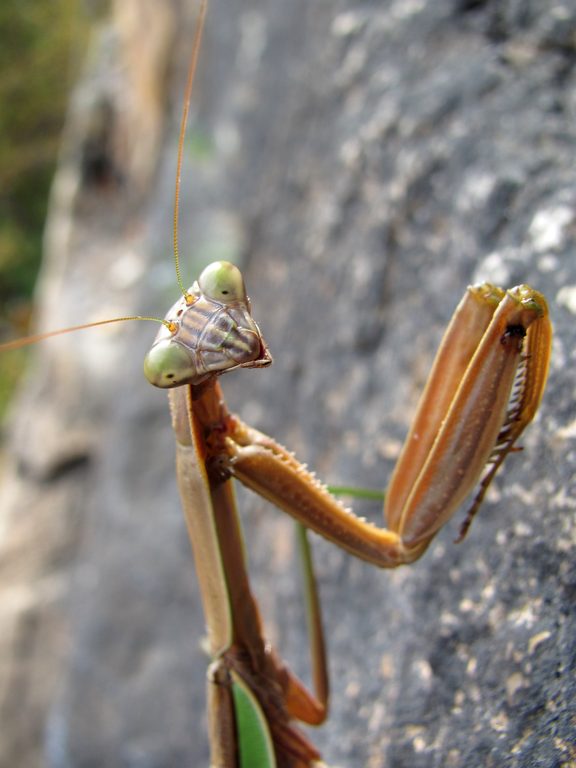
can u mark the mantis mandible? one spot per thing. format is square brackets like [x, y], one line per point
[484, 389]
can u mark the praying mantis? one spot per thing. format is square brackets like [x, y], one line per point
[539, 323]
[483, 390]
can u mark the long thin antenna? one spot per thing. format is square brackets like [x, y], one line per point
[17, 343]
[187, 96]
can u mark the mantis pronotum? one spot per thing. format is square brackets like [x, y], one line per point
[245, 454]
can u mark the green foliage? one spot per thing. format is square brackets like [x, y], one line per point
[37, 68]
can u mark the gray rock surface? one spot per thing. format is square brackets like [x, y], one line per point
[364, 163]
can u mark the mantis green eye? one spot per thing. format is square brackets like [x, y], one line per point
[222, 281]
[168, 364]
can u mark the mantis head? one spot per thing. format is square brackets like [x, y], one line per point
[208, 331]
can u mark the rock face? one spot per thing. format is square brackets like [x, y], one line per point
[363, 163]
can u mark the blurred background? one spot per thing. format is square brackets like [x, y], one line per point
[363, 163]
[41, 56]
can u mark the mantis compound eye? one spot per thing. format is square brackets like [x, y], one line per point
[223, 282]
[168, 364]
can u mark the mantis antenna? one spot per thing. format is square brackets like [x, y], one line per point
[187, 96]
[17, 343]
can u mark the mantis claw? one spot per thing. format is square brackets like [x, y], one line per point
[485, 386]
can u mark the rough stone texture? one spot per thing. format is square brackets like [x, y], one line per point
[368, 161]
